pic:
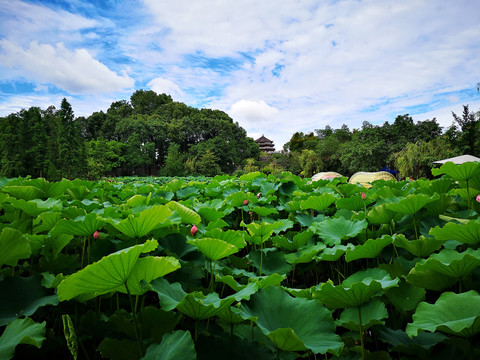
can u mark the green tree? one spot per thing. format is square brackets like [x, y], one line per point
[207, 164]
[174, 162]
[466, 130]
[310, 162]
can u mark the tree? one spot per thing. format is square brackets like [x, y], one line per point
[174, 162]
[467, 139]
[207, 164]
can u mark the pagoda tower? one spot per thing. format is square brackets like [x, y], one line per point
[265, 145]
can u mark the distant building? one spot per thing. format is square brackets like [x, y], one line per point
[265, 145]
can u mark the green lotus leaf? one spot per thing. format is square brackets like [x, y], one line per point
[380, 214]
[175, 346]
[411, 204]
[406, 297]
[261, 281]
[271, 262]
[36, 206]
[25, 296]
[119, 349]
[111, 273]
[196, 305]
[147, 269]
[430, 280]
[282, 318]
[21, 331]
[261, 232]
[451, 263]
[420, 248]
[417, 346]
[318, 202]
[214, 249]
[357, 289]
[250, 176]
[334, 230]
[146, 221]
[210, 214]
[81, 226]
[264, 211]
[369, 250]
[138, 200]
[46, 221]
[349, 190]
[305, 254]
[354, 203]
[187, 191]
[372, 313]
[23, 192]
[455, 314]
[188, 215]
[233, 237]
[13, 247]
[440, 206]
[462, 172]
[468, 233]
[334, 253]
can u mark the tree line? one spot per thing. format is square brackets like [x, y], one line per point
[404, 145]
[148, 135]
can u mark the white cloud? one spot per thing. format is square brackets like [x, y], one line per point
[252, 111]
[161, 85]
[74, 71]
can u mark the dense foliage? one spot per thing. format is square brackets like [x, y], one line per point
[258, 267]
[148, 135]
[404, 145]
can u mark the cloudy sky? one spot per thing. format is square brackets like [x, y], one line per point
[275, 66]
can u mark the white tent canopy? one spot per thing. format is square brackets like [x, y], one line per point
[458, 159]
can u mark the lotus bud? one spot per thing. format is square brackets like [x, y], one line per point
[364, 196]
[478, 198]
[258, 195]
[96, 235]
[193, 230]
[245, 202]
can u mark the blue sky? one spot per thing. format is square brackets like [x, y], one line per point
[275, 66]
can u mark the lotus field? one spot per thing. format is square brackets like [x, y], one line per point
[255, 267]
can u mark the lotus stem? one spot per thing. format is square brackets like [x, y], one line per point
[261, 258]
[361, 332]
[135, 323]
[83, 251]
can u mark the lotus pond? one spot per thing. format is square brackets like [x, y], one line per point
[255, 267]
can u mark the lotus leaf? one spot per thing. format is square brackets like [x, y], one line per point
[406, 297]
[334, 253]
[468, 233]
[371, 249]
[380, 214]
[21, 331]
[420, 248]
[333, 231]
[81, 226]
[411, 204]
[354, 203]
[25, 296]
[210, 214]
[355, 290]
[261, 232]
[264, 211]
[272, 261]
[372, 313]
[13, 247]
[36, 206]
[452, 313]
[233, 237]
[46, 221]
[418, 345]
[196, 305]
[175, 346]
[305, 254]
[214, 249]
[188, 215]
[282, 318]
[119, 349]
[462, 172]
[111, 273]
[146, 221]
[318, 202]
[23, 192]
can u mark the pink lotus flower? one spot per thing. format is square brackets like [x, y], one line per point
[364, 196]
[258, 195]
[478, 198]
[245, 202]
[96, 235]
[193, 230]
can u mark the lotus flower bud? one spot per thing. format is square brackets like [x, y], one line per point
[193, 230]
[258, 195]
[96, 235]
[364, 196]
[245, 202]
[478, 198]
